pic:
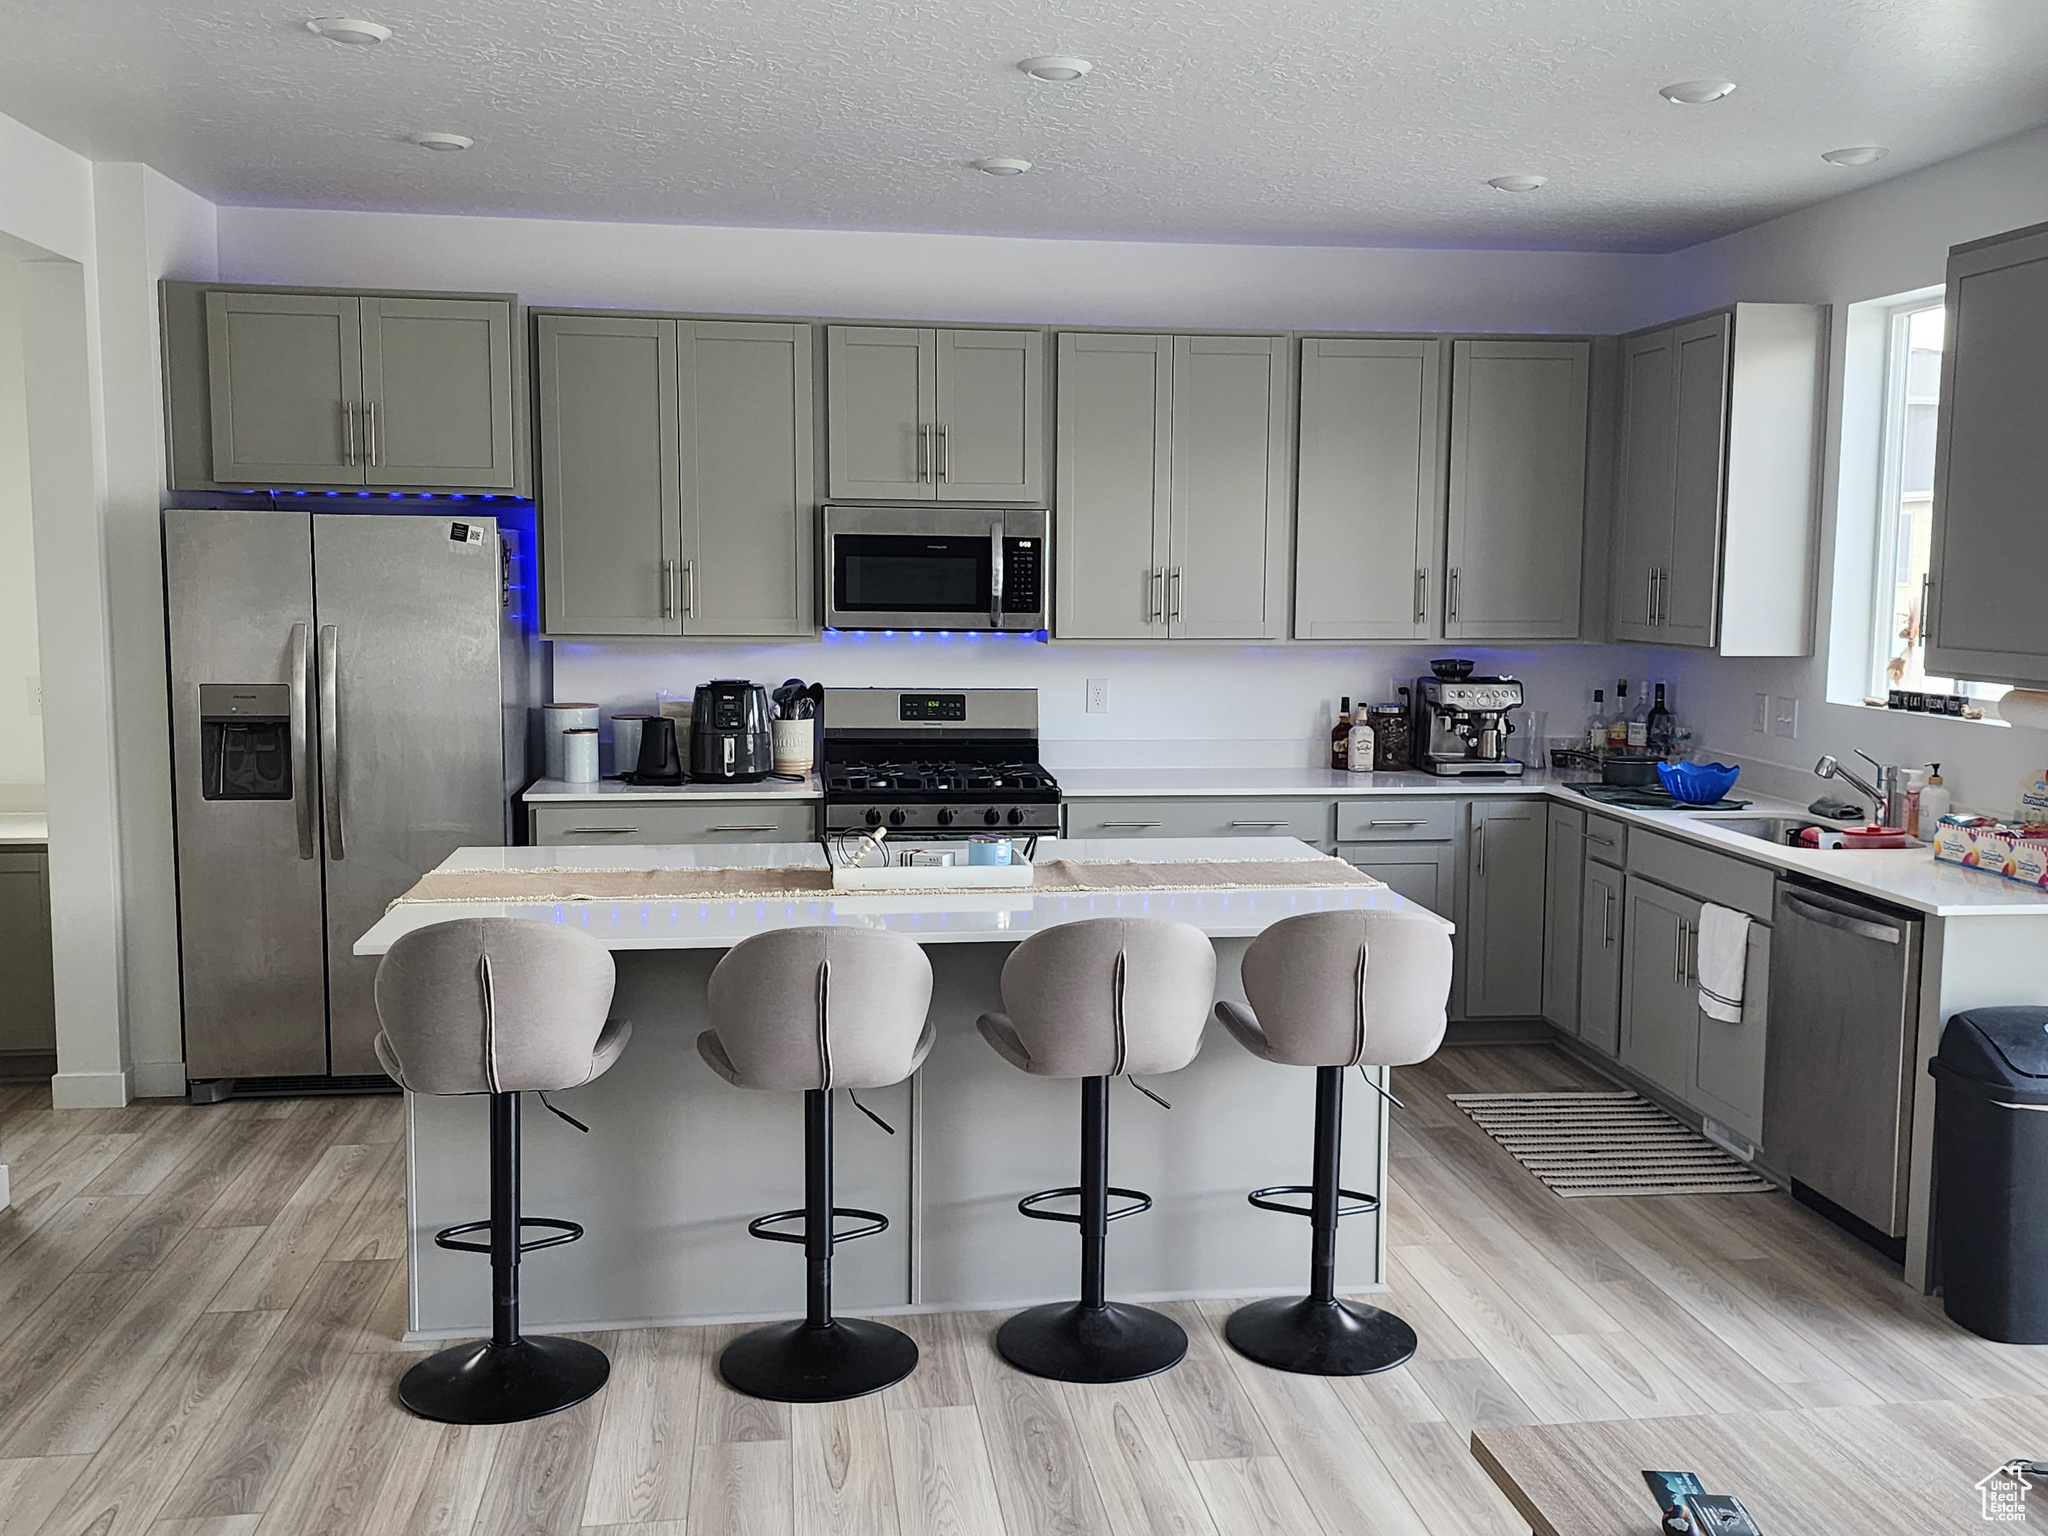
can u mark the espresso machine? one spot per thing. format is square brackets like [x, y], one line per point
[1461, 725]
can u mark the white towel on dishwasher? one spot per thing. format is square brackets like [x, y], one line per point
[1723, 960]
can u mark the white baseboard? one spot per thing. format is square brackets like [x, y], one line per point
[92, 1090]
[159, 1079]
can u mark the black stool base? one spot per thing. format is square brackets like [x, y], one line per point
[1320, 1338]
[799, 1363]
[1067, 1341]
[504, 1383]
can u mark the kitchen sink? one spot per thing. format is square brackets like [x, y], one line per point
[1782, 829]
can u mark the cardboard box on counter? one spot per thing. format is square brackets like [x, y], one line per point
[1994, 848]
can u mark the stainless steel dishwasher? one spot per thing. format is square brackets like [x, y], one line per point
[1838, 1083]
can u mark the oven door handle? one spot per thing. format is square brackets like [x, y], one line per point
[995, 575]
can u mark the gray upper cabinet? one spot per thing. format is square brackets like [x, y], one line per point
[1171, 487]
[1720, 448]
[610, 475]
[322, 389]
[1369, 488]
[1503, 931]
[1516, 524]
[747, 487]
[935, 415]
[1991, 460]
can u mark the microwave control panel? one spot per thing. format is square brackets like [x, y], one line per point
[1023, 575]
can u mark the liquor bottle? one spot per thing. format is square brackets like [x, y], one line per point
[1340, 737]
[1596, 724]
[1661, 728]
[1617, 723]
[1639, 721]
[1363, 746]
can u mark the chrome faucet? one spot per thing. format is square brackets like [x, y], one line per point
[1886, 802]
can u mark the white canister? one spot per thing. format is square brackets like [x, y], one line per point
[794, 748]
[626, 741]
[560, 718]
[579, 755]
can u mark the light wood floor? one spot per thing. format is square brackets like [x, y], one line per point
[200, 1308]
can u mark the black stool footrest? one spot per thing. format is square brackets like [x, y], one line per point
[1263, 1199]
[565, 1232]
[1140, 1201]
[760, 1225]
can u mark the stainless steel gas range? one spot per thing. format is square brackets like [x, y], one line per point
[936, 763]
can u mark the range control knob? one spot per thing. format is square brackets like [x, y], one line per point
[897, 818]
[991, 815]
[874, 818]
[1017, 817]
[945, 818]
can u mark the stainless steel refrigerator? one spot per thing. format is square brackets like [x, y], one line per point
[351, 700]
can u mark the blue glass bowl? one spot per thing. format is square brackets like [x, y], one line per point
[1697, 783]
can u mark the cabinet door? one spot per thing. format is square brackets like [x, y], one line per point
[879, 406]
[29, 1021]
[437, 393]
[1991, 460]
[1728, 1078]
[1503, 927]
[1564, 860]
[1425, 873]
[610, 471]
[1692, 580]
[746, 489]
[1369, 488]
[1600, 935]
[1642, 515]
[1660, 1012]
[990, 416]
[1518, 489]
[1227, 546]
[1110, 483]
[285, 373]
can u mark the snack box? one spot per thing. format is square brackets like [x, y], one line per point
[2017, 853]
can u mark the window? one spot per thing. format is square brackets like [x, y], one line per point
[1912, 394]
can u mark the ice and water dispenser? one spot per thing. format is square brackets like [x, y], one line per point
[245, 741]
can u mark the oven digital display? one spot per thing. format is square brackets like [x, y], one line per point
[933, 707]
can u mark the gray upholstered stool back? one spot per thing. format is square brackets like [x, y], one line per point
[1104, 997]
[496, 1005]
[807, 1008]
[1340, 989]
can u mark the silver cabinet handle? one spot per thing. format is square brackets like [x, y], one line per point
[330, 739]
[1417, 822]
[1127, 823]
[1607, 919]
[1157, 585]
[348, 433]
[1173, 585]
[945, 450]
[1604, 842]
[736, 828]
[995, 574]
[302, 782]
[1453, 606]
[924, 452]
[668, 589]
[1422, 595]
[1479, 832]
[1260, 826]
[598, 831]
[1650, 597]
[690, 589]
[370, 433]
[1678, 958]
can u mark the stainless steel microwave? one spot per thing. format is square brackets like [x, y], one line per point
[935, 568]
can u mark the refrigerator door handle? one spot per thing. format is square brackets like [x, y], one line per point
[330, 740]
[302, 783]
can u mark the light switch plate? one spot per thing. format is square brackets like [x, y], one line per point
[1760, 713]
[1098, 695]
[1785, 718]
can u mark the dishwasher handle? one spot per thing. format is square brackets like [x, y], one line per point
[1818, 909]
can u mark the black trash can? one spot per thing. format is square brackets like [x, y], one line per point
[1991, 1171]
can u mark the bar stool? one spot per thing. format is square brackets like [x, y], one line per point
[502, 1006]
[1334, 990]
[1099, 999]
[810, 1010]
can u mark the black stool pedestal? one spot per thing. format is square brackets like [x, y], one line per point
[508, 1378]
[821, 1359]
[1319, 1334]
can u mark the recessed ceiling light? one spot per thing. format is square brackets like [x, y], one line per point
[1697, 93]
[1055, 68]
[1524, 183]
[442, 141]
[1001, 165]
[350, 30]
[1856, 154]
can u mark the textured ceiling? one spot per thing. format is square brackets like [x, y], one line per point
[1304, 121]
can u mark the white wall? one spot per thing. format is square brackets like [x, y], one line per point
[1887, 239]
[21, 732]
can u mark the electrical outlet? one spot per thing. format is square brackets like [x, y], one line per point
[35, 695]
[1098, 695]
[1785, 718]
[1760, 713]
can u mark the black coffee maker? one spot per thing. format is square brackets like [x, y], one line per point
[732, 739]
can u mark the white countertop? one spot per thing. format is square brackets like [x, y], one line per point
[618, 792]
[24, 827]
[967, 917]
[1320, 783]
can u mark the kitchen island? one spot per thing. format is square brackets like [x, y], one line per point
[677, 1161]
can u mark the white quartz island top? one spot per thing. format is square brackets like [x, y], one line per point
[962, 917]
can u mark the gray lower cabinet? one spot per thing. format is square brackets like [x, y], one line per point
[1601, 914]
[331, 389]
[1563, 903]
[1660, 1009]
[1368, 488]
[720, 821]
[918, 414]
[28, 1022]
[1992, 460]
[1728, 1064]
[1516, 524]
[1425, 873]
[1503, 931]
